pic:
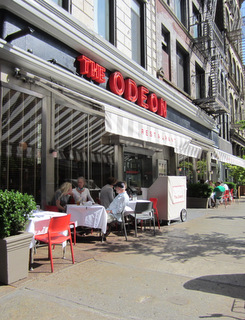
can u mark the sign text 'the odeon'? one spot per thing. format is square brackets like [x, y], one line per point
[123, 87]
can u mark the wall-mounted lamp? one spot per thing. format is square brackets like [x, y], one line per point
[19, 34]
[53, 152]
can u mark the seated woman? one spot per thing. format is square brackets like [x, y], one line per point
[80, 193]
[62, 196]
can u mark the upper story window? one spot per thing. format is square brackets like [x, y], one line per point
[196, 23]
[180, 11]
[104, 18]
[166, 53]
[222, 84]
[182, 67]
[233, 69]
[200, 82]
[65, 4]
[137, 32]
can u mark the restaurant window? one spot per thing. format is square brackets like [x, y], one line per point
[138, 171]
[65, 4]
[200, 82]
[202, 168]
[77, 140]
[182, 66]
[180, 11]
[137, 32]
[166, 53]
[104, 19]
[21, 142]
[185, 167]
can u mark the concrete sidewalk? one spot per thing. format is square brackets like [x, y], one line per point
[191, 270]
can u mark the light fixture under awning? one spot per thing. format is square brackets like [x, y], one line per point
[125, 124]
[227, 158]
[190, 151]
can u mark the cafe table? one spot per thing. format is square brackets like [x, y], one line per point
[92, 216]
[38, 223]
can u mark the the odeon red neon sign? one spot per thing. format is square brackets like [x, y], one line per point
[123, 87]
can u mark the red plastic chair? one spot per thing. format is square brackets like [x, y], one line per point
[154, 201]
[55, 209]
[232, 196]
[226, 197]
[55, 235]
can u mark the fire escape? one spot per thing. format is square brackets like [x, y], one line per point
[211, 44]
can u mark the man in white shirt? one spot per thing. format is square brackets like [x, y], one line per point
[118, 204]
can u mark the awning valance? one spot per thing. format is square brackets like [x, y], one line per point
[125, 124]
[190, 151]
[227, 158]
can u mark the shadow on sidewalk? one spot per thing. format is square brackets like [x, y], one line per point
[230, 285]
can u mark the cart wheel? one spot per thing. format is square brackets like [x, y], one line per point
[183, 215]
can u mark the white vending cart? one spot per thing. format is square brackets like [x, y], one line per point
[171, 194]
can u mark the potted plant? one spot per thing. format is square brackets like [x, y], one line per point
[198, 194]
[15, 208]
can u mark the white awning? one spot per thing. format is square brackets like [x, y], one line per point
[128, 125]
[227, 158]
[190, 151]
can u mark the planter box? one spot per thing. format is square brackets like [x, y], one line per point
[14, 253]
[197, 202]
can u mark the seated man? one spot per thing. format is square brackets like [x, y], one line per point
[218, 191]
[118, 204]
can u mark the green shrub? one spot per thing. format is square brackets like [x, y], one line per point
[15, 208]
[231, 185]
[199, 190]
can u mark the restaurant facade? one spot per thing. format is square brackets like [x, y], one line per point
[73, 105]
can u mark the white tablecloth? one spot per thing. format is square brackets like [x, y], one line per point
[94, 216]
[39, 223]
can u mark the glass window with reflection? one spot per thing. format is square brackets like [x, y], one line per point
[166, 53]
[180, 11]
[182, 66]
[104, 18]
[200, 82]
[137, 34]
[80, 151]
[21, 142]
[65, 4]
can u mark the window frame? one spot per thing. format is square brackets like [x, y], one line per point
[200, 72]
[166, 47]
[65, 4]
[111, 22]
[180, 10]
[142, 44]
[186, 68]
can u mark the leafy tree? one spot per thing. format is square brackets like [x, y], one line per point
[242, 124]
[237, 172]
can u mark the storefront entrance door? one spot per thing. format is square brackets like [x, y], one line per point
[137, 171]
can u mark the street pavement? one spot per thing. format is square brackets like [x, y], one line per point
[189, 270]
